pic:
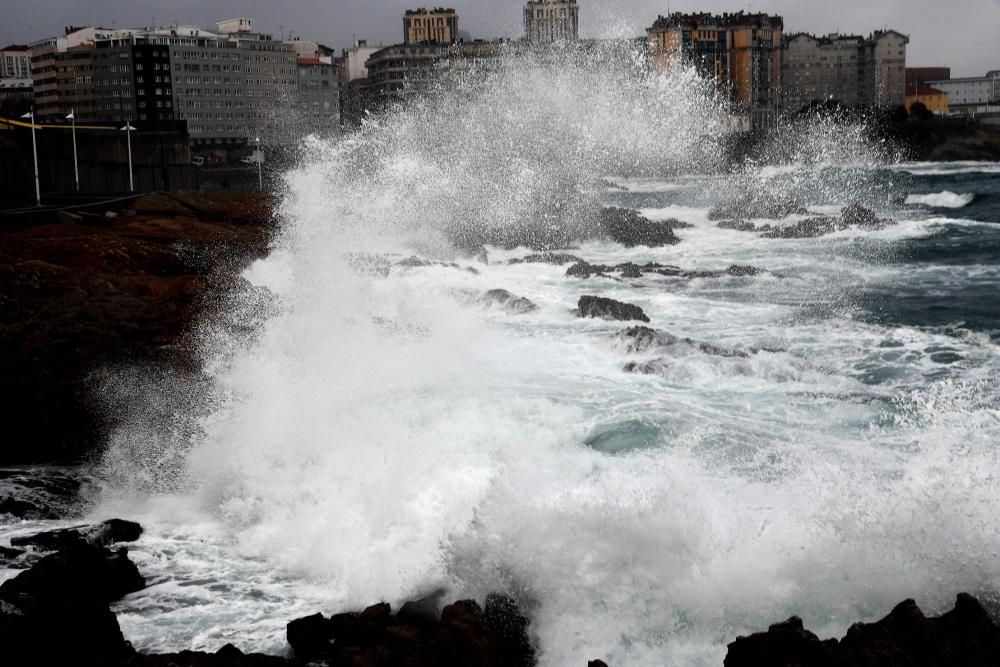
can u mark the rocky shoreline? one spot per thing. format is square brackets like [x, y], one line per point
[79, 571]
[87, 291]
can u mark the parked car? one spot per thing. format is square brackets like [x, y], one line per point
[197, 160]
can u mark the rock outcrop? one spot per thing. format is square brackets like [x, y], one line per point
[963, 636]
[511, 303]
[627, 227]
[80, 296]
[609, 309]
[463, 634]
[57, 612]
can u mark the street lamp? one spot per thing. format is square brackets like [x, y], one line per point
[259, 157]
[128, 129]
[34, 150]
[76, 165]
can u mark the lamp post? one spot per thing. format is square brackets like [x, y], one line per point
[76, 165]
[128, 129]
[259, 157]
[34, 150]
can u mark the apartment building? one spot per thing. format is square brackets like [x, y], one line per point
[551, 21]
[15, 62]
[741, 51]
[430, 26]
[318, 94]
[398, 71]
[850, 69]
[352, 75]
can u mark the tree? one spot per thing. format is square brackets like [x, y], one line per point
[919, 111]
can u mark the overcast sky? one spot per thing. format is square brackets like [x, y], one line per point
[962, 34]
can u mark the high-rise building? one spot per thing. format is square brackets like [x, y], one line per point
[430, 26]
[850, 69]
[319, 94]
[551, 21]
[742, 52]
[15, 62]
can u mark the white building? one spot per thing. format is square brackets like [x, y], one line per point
[971, 91]
[15, 62]
[550, 21]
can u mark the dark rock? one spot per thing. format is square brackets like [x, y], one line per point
[597, 663]
[609, 309]
[547, 258]
[227, 656]
[462, 635]
[742, 270]
[738, 225]
[76, 298]
[642, 339]
[785, 644]
[309, 637]
[805, 229]
[419, 262]
[630, 271]
[7, 553]
[57, 612]
[584, 270]
[758, 204]
[20, 508]
[963, 636]
[627, 227]
[856, 215]
[512, 304]
[102, 535]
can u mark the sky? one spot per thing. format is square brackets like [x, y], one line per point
[961, 34]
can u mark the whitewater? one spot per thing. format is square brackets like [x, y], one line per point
[367, 428]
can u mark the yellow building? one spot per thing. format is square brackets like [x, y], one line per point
[935, 100]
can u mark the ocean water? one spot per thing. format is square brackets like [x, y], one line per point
[365, 431]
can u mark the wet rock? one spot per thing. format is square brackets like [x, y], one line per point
[584, 270]
[742, 270]
[419, 262]
[759, 204]
[462, 635]
[102, 535]
[630, 271]
[963, 636]
[511, 303]
[57, 612]
[547, 258]
[22, 509]
[738, 225]
[805, 229]
[609, 309]
[639, 340]
[857, 215]
[76, 298]
[227, 656]
[597, 663]
[627, 227]
[7, 553]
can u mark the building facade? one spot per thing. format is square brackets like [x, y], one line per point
[352, 74]
[970, 93]
[430, 26]
[935, 100]
[15, 62]
[551, 21]
[319, 95]
[850, 69]
[742, 52]
[919, 76]
[399, 71]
